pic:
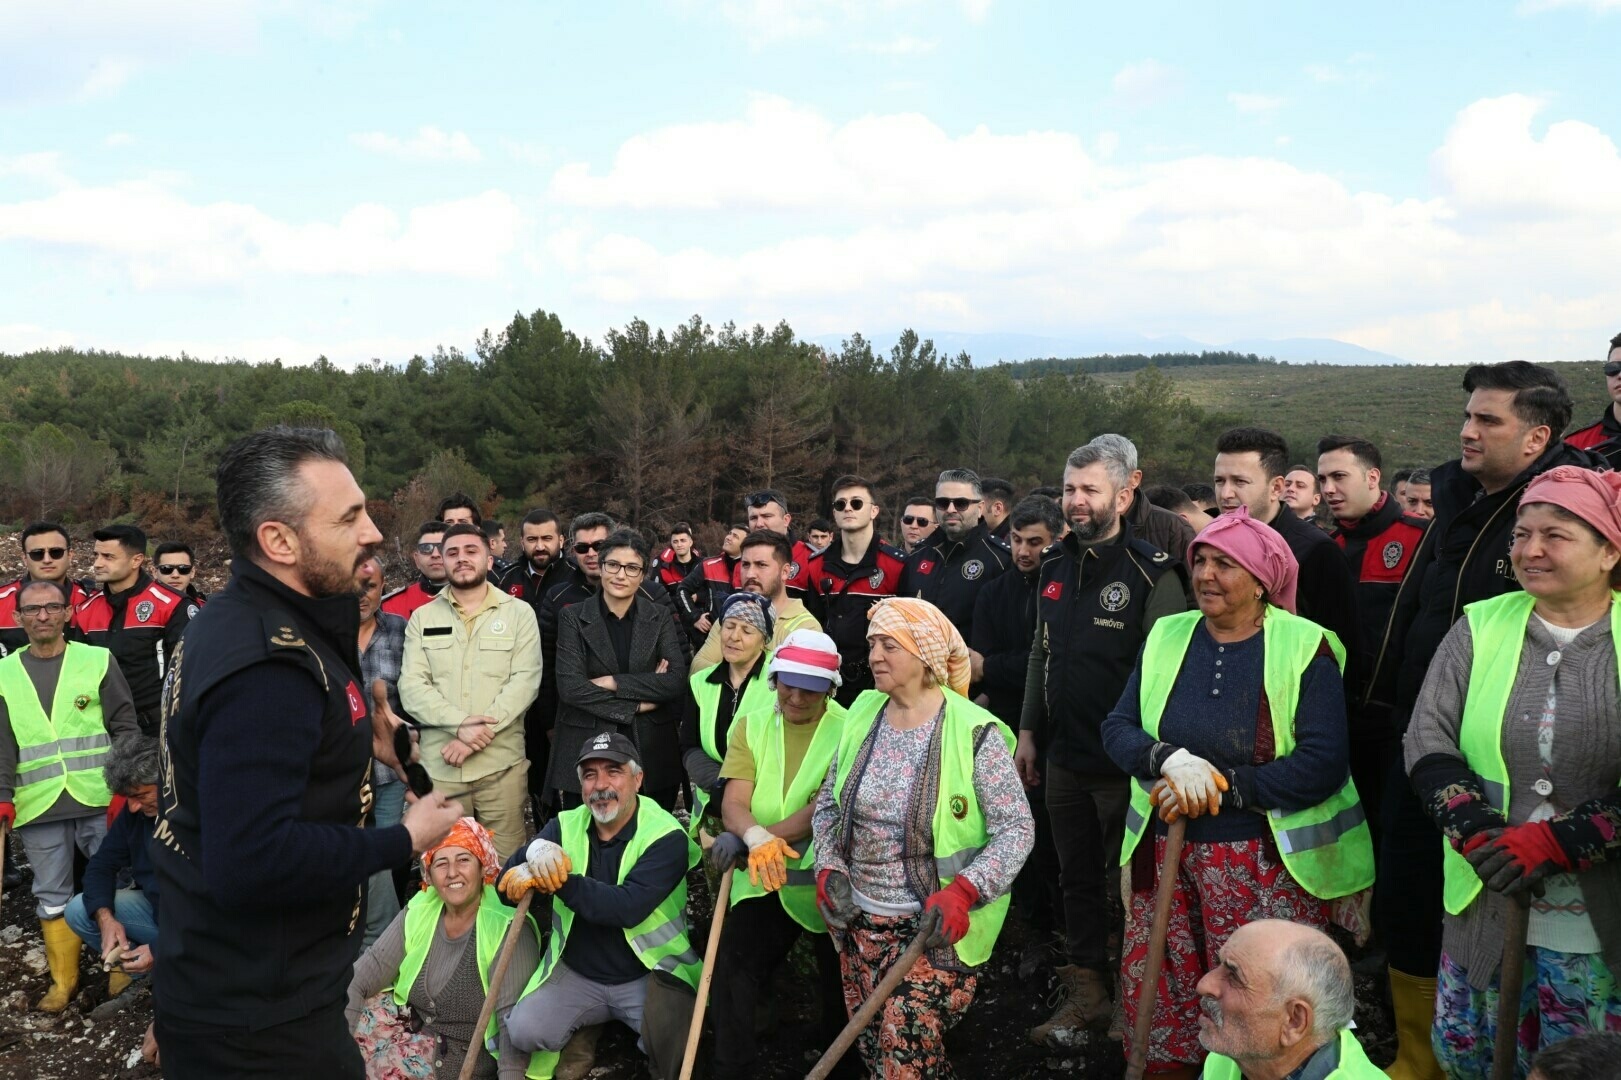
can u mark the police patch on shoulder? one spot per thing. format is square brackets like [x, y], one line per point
[1392, 554]
[972, 569]
[1160, 556]
[1115, 596]
[191, 611]
[286, 636]
[143, 611]
[876, 581]
[793, 570]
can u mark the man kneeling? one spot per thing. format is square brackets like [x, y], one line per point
[1279, 1004]
[618, 948]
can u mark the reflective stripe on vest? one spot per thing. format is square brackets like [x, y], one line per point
[660, 940]
[489, 929]
[1327, 848]
[1354, 1064]
[1497, 629]
[770, 803]
[757, 694]
[959, 822]
[65, 750]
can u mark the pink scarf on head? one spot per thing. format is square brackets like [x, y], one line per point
[1594, 497]
[1257, 548]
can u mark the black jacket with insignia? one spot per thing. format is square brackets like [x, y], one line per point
[950, 573]
[1094, 608]
[1380, 550]
[142, 627]
[840, 597]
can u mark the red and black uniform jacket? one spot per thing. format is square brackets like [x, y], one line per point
[1602, 438]
[705, 589]
[1380, 549]
[142, 628]
[402, 602]
[14, 637]
[841, 595]
[672, 571]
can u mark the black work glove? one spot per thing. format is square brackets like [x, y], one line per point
[727, 851]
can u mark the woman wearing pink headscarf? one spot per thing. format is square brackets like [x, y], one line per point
[1515, 748]
[1235, 718]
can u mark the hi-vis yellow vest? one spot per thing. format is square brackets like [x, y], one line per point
[959, 823]
[770, 804]
[757, 695]
[65, 750]
[1328, 847]
[1354, 1064]
[1497, 629]
[489, 929]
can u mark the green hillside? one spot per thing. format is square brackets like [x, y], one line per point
[1411, 412]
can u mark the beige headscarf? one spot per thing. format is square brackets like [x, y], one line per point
[924, 631]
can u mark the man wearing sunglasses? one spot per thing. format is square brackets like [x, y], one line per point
[1604, 437]
[917, 522]
[428, 555]
[47, 556]
[176, 566]
[956, 560]
[851, 575]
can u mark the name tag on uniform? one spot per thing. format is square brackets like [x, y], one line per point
[437, 631]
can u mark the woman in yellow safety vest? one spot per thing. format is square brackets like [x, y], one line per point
[1515, 747]
[417, 991]
[1235, 717]
[920, 827]
[721, 695]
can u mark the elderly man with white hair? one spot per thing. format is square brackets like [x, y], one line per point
[1279, 1006]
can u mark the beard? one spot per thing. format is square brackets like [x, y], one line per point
[604, 806]
[325, 576]
[1095, 526]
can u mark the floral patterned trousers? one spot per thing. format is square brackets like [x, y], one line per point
[906, 1040]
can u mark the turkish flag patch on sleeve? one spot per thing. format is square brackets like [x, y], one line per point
[1053, 591]
[357, 704]
[925, 567]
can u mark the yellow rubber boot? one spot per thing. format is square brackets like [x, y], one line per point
[62, 947]
[1413, 1000]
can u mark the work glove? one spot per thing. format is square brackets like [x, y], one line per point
[835, 899]
[1165, 801]
[952, 902]
[517, 881]
[1197, 783]
[1518, 858]
[549, 864]
[768, 858]
[8, 814]
[727, 851]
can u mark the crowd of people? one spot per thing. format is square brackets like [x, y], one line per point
[1385, 707]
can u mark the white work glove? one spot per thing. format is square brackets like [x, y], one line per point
[1196, 783]
[547, 861]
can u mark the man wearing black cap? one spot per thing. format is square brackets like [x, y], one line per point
[619, 949]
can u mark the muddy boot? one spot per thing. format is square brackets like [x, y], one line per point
[1413, 1000]
[1085, 1004]
[122, 992]
[579, 1056]
[62, 947]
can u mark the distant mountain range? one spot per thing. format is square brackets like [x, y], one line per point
[989, 348]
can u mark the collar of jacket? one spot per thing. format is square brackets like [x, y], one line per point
[333, 619]
[1455, 490]
[1375, 521]
[1077, 550]
[432, 588]
[938, 541]
[118, 599]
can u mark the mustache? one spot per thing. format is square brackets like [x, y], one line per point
[602, 796]
[1212, 1009]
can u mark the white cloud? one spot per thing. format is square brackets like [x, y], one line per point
[785, 155]
[896, 221]
[119, 138]
[1255, 103]
[1144, 83]
[428, 144]
[27, 337]
[768, 22]
[1598, 7]
[41, 167]
[905, 45]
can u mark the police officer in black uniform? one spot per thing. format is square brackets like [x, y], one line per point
[847, 578]
[952, 563]
[267, 751]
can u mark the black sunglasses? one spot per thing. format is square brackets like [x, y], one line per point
[582, 547]
[416, 777]
[761, 498]
[40, 554]
[958, 505]
[1612, 369]
[174, 568]
[430, 549]
[909, 519]
[854, 503]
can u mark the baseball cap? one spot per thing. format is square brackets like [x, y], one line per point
[807, 659]
[608, 746]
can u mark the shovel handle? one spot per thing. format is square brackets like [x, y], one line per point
[1175, 837]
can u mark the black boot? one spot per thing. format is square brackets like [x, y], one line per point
[13, 876]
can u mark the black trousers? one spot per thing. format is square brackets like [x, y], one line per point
[1407, 903]
[1038, 896]
[754, 942]
[1088, 815]
[317, 1045]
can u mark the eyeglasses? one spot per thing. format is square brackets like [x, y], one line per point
[41, 554]
[1612, 369]
[613, 568]
[761, 498]
[908, 519]
[174, 568]
[958, 505]
[430, 549]
[30, 610]
[583, 548]
[854, 503]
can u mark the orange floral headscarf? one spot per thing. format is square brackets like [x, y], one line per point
[472, 836]
[923, 630]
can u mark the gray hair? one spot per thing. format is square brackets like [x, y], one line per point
[1315, 969]
[1114, 452]
[131, 763]
[630, 766]
[1419, 477]
[962, 476]
[258, 481]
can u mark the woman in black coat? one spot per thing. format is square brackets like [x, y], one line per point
[620, 667]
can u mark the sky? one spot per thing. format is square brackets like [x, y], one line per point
[284, 178]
